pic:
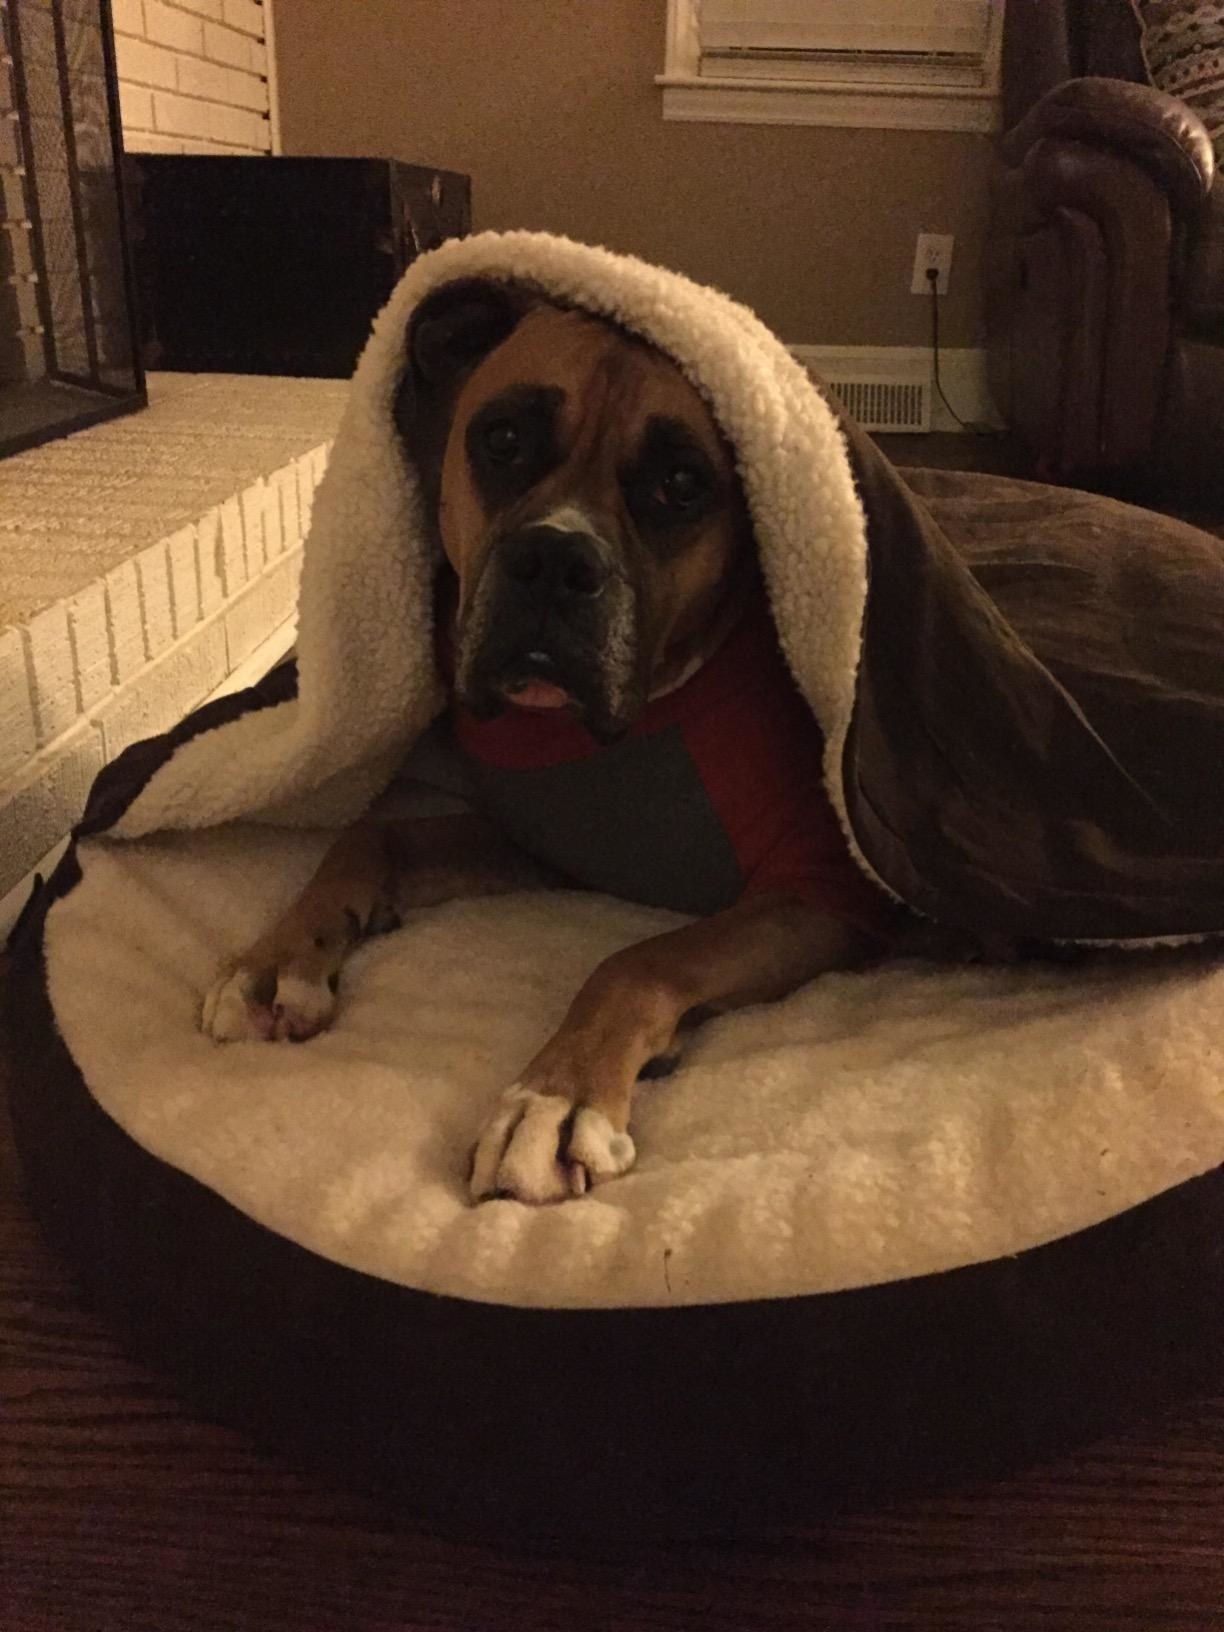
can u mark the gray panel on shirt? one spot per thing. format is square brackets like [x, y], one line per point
[633, 820]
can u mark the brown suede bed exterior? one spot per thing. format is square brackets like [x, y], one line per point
[1038, 736]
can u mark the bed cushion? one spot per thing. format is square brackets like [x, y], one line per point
[960, 1217]
[872, 1127]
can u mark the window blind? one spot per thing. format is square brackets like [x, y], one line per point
[925, 39]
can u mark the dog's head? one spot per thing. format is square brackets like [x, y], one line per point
[581, 492]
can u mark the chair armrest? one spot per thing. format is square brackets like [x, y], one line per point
[1108, 214]
[1158, 132]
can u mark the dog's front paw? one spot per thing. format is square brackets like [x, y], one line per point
[283, 1005]
[539, 1148]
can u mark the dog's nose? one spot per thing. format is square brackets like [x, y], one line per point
[554, 566]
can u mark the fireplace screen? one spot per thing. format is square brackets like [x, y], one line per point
[67, 337]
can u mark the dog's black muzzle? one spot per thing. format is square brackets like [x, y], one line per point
[551, 606]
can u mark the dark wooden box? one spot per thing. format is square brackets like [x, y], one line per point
[277, 265]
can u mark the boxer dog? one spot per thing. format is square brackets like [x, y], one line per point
[600, 615]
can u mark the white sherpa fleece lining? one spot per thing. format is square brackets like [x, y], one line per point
[869, 1128]
[368, 687]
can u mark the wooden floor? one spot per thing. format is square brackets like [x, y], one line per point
[123, 1514]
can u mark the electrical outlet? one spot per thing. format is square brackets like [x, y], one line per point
[933, 254]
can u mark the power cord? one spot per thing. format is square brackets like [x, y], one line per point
[932, 277]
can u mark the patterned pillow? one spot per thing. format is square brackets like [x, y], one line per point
[1183, 46]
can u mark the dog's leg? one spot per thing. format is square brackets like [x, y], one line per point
[564, 1125]
[284, 987]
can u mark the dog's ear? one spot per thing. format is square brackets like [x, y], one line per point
[450, 332]
[453, 329]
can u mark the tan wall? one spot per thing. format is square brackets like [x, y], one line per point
[551, 107]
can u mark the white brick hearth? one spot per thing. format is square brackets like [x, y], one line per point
[142, 563]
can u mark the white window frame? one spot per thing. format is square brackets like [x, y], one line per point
[751, 99]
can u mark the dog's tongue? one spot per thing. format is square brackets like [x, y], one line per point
[538, 694]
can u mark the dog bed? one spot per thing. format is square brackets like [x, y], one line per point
[909, 1220]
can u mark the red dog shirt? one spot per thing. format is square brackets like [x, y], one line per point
[715, 792]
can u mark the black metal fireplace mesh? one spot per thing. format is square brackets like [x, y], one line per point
[68, 353]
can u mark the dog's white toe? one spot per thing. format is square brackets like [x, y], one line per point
[491, 1146]
[532, 1168]
[536, 1149]
[597, 1149]
[229, 1014]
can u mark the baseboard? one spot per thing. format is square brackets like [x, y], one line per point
[962, 373]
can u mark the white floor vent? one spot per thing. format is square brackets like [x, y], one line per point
[883, 393]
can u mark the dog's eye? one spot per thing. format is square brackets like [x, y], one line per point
[501, 442]
[682, 487]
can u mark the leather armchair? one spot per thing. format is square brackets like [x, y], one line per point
[1105, 258]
